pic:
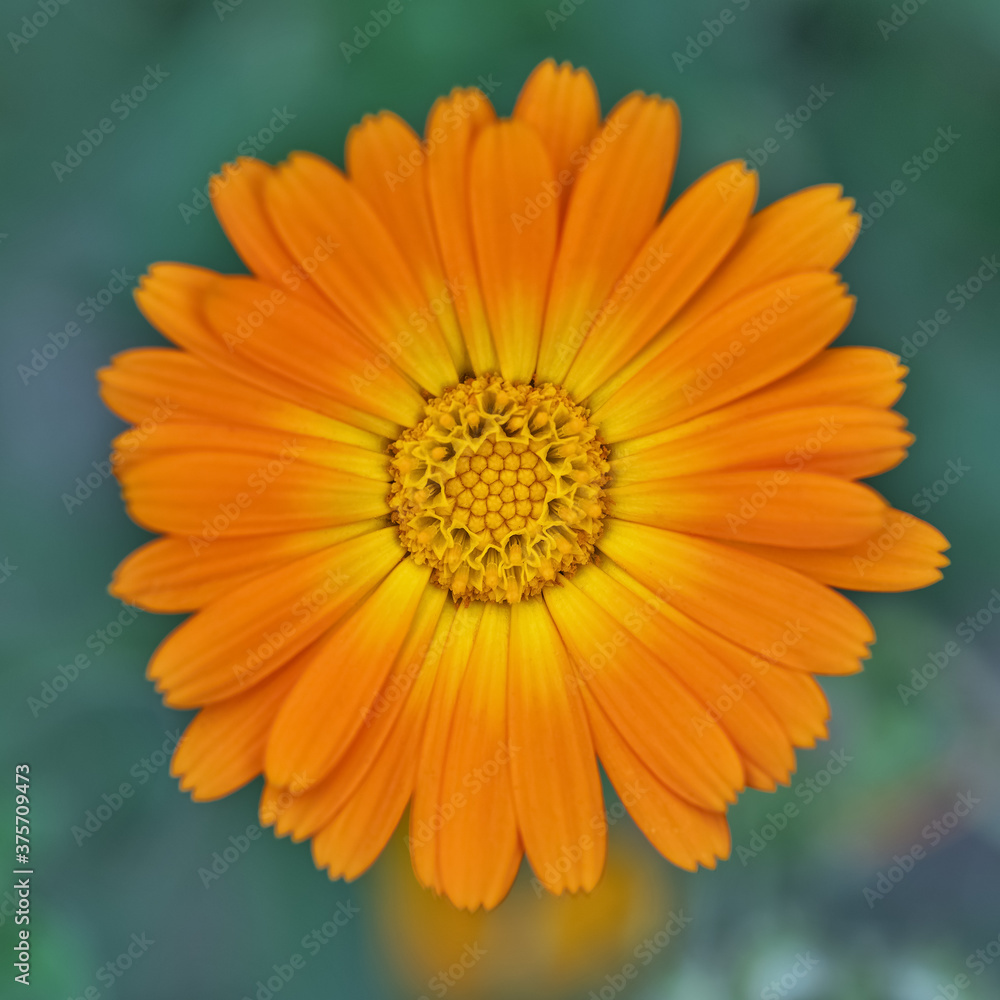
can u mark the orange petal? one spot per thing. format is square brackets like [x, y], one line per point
[791, 696]
[223, 746]
[682, 833]
[904, 553]
[355, 837]
[304, 815]
[346, 671]
[296, 342]
[769, 506]
[452, 127]
[656, 714]
[425, 814]
[747, 344]
[683, 251]
[615, 203]
[515, 246]
[184, 574]
[838, 376]
[150, 385]
[754, 602]
[556, 785]
[561, 103]
[213, 493]
[250, 632]
[268, 445]
[478, 846]
[850, 441]
[479, 859]
[237, 193]
[172, 297]
[797, 700]
[811, 230]
[727, 697]
[363, 271]
[387, 162]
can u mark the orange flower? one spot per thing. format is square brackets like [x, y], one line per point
[490, 470]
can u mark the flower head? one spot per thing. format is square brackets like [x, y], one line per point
[491, 469]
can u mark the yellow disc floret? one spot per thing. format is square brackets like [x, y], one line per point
[500, 488]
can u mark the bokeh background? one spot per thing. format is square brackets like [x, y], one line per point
[788, 914]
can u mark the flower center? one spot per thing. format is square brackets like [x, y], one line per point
[500, 488]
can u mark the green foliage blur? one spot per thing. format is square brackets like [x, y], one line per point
[788, 914]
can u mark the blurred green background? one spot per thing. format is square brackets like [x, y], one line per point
[788, 915]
